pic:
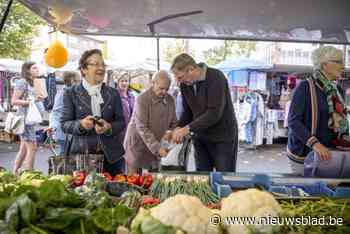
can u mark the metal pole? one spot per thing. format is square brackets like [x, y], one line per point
[158, 61]
[7, 11]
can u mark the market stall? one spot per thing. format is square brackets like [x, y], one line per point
[90, 204]
[249, 89]
[172, 203]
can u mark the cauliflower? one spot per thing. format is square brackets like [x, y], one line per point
[250, 203]
[184, 213]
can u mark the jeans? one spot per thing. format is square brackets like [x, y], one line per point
[61, 144]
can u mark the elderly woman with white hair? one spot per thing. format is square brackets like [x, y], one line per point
[331, 122]
[154, 114]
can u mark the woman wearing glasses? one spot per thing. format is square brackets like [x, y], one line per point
[331, 114]
[93, 114]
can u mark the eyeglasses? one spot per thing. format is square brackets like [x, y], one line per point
[97, 65]
[340, 62]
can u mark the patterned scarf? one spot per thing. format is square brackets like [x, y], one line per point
[336, 108]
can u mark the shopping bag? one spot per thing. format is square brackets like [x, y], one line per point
[33, 114]
[337, 167]
[177, 158]
[14, 124]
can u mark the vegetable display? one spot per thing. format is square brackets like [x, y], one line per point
[163, 188]
[188, 215]
[52, 207]
[33, 203]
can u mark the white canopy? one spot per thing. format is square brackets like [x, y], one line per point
[10, 65]
[281, 20]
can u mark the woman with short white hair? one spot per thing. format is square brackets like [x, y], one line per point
[331, 114]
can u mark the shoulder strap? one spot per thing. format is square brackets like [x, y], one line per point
[314, 110]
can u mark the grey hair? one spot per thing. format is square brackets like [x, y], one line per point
[161, 75]
[324, 54]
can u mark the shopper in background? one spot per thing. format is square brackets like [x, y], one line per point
[154, 114]
[69, 79]
[93, 114]
[24, 93]
[331, 115]
[208, 113]
[128, 99]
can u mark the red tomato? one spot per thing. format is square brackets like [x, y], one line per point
[107, 176]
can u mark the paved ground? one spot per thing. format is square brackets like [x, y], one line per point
[265, 159]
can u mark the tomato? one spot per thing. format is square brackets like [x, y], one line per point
[120, 178]
[107, 176]
[79, 177]
[148, 200]
[141, 181]
[148, 180]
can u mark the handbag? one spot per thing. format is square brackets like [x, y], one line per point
[14, 124]
[67, 163]
[339, 164]
[33, 114]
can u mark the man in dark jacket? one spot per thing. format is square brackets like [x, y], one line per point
[207, 113]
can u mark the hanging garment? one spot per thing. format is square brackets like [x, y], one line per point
[259, 126]
[51, 91]
[253, 80]
[249, 110]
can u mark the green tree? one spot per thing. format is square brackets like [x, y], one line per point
[175, 47]
[228, 49]
[18, 32]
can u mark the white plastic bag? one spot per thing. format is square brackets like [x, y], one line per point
[33, 114]
[172, 159]
[14, 124]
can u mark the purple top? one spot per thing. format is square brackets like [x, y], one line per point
[128, 106]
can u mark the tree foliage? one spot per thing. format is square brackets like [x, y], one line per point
[18, 32]
[175, 47]
[228, 49]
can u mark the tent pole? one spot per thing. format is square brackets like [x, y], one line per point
[7, 11]
[158, 61]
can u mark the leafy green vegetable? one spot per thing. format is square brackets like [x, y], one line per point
[27, 208]
[109, 219]
[95, 180]
[65, 179]
[61, 218]
[12, 217]
[4, 229]
[53, 192]
[7, 189]
[4, 204]
[30, 175]
[7, 177]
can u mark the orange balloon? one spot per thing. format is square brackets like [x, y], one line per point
[56, 55]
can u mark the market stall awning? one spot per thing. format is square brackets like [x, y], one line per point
[10, 65]
[280, 20]
[242, 64]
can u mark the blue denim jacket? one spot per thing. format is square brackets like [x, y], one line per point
[56, 114]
